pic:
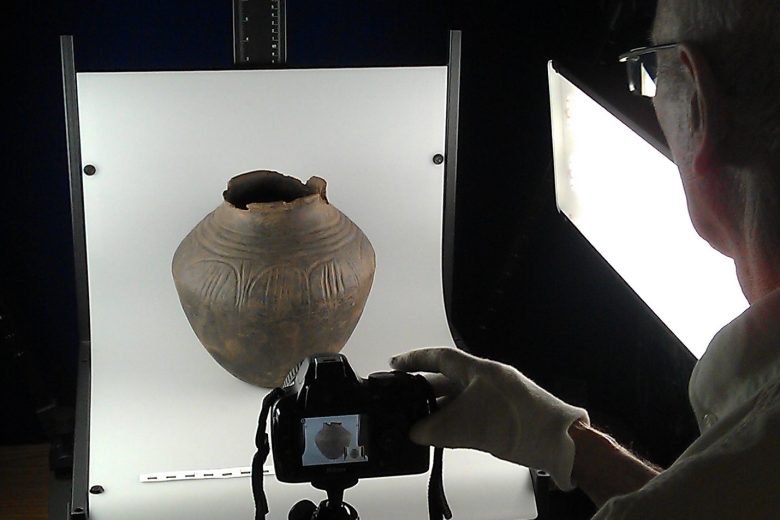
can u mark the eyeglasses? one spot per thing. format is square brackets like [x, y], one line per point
[642, 68]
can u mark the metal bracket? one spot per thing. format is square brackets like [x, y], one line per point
[259, 32]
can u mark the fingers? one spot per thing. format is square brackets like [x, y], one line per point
[453, 363]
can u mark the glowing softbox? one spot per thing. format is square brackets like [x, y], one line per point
[625, 197]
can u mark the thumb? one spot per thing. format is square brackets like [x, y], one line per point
[422, 432]
[452, 426]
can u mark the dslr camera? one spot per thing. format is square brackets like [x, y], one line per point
[331, 426]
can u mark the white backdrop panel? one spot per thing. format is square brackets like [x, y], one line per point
[164, 145]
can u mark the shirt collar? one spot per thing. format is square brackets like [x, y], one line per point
[740, 360]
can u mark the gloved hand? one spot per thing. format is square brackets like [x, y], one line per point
[493, 407]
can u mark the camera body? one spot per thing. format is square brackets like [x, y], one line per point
[332, 425]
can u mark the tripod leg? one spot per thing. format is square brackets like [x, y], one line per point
[335, 498]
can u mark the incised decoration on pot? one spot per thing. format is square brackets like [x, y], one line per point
[274, 274]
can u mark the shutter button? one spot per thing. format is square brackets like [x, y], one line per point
[382, 378]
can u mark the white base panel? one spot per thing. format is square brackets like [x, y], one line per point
[164, 146]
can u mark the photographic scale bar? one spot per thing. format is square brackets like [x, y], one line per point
[201, 474]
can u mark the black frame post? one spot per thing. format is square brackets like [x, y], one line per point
[451, 173]
[78, 508]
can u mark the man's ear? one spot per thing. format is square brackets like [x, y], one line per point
[707, 113]
[709, 121]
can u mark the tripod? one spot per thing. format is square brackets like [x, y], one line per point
[334, 508]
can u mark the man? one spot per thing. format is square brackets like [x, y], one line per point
[718, 103]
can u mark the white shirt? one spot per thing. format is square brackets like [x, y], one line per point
[732, 470]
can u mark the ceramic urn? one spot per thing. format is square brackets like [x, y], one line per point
[332, 440]
[274, 274]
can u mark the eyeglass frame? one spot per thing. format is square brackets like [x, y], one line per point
[633, 61]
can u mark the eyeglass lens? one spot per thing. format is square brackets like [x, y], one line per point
[642, 74]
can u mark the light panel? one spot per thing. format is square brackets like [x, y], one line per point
[626, 198]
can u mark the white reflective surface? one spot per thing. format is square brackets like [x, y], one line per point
[164, 145]
[627, 199]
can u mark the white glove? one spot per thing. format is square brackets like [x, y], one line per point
[493, 407]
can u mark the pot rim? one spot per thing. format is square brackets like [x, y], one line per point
[315, 185]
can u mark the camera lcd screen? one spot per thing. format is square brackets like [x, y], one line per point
[336, 439]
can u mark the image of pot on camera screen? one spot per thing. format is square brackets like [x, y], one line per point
[337, 439]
